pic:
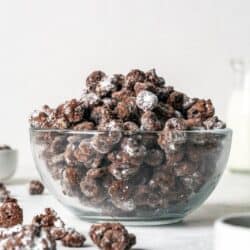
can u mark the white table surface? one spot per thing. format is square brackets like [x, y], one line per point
[196, 233]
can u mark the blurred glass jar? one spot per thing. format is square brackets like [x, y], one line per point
[239, 116]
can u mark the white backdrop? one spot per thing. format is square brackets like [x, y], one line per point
[47, 48]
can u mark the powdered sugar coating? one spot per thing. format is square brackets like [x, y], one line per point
[132, 147]
[146, 100]
[6, 232]
[73, 238]
[106, 84]
[90, 99]
[127, 205]
[27, 237]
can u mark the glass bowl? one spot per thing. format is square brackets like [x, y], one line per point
[138, 178]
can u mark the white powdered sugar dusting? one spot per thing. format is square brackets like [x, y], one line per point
[5, 232]
[146, 100]
[39, 242]
[58, 223]
[114, 126]
[130, 150]
[106, 84]
[127, 205]
[35, 114]
[90, 98]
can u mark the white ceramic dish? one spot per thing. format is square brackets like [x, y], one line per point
[233, 232]
[8, 163]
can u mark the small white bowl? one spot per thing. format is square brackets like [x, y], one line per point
[8, 163]
[233, 232]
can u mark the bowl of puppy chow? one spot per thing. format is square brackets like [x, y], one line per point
[131, 149]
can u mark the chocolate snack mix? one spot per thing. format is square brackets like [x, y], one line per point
[138, 157]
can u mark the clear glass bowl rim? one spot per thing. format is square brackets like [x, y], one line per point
[223, 131]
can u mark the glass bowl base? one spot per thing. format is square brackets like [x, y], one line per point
[136, 221]
[129, 221]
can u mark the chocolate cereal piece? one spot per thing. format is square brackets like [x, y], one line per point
[86, 154]
[51, 222]
[141, 86]
[176, 100]
[163, 181]
[164, 92]
[108, 85]
[11, 213]
[48, 219]
[151, 76]
[173, 134]
[121, 193]
[57, 233]
[91, 187]
[130, 126]
[154, 157]
[90, 100]
[214, 123]
[71, 177]
[132, 151]
[73, 110]
[93, 79]
[122, 94]
[36, 187]
[127, 109]
[104, 142]
[123, 171]
[201, 109]
[133, 77]
[146, 100]
[112, 236]
[42, 118]
[73, 238]
[150, 122]
[100, 114]
[145, 197]
[96, 172]
[84, 126]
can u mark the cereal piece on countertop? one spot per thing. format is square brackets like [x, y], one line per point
[48, 219]
[11, 213]
[112, 236]
[72, 238]
[36, 187]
